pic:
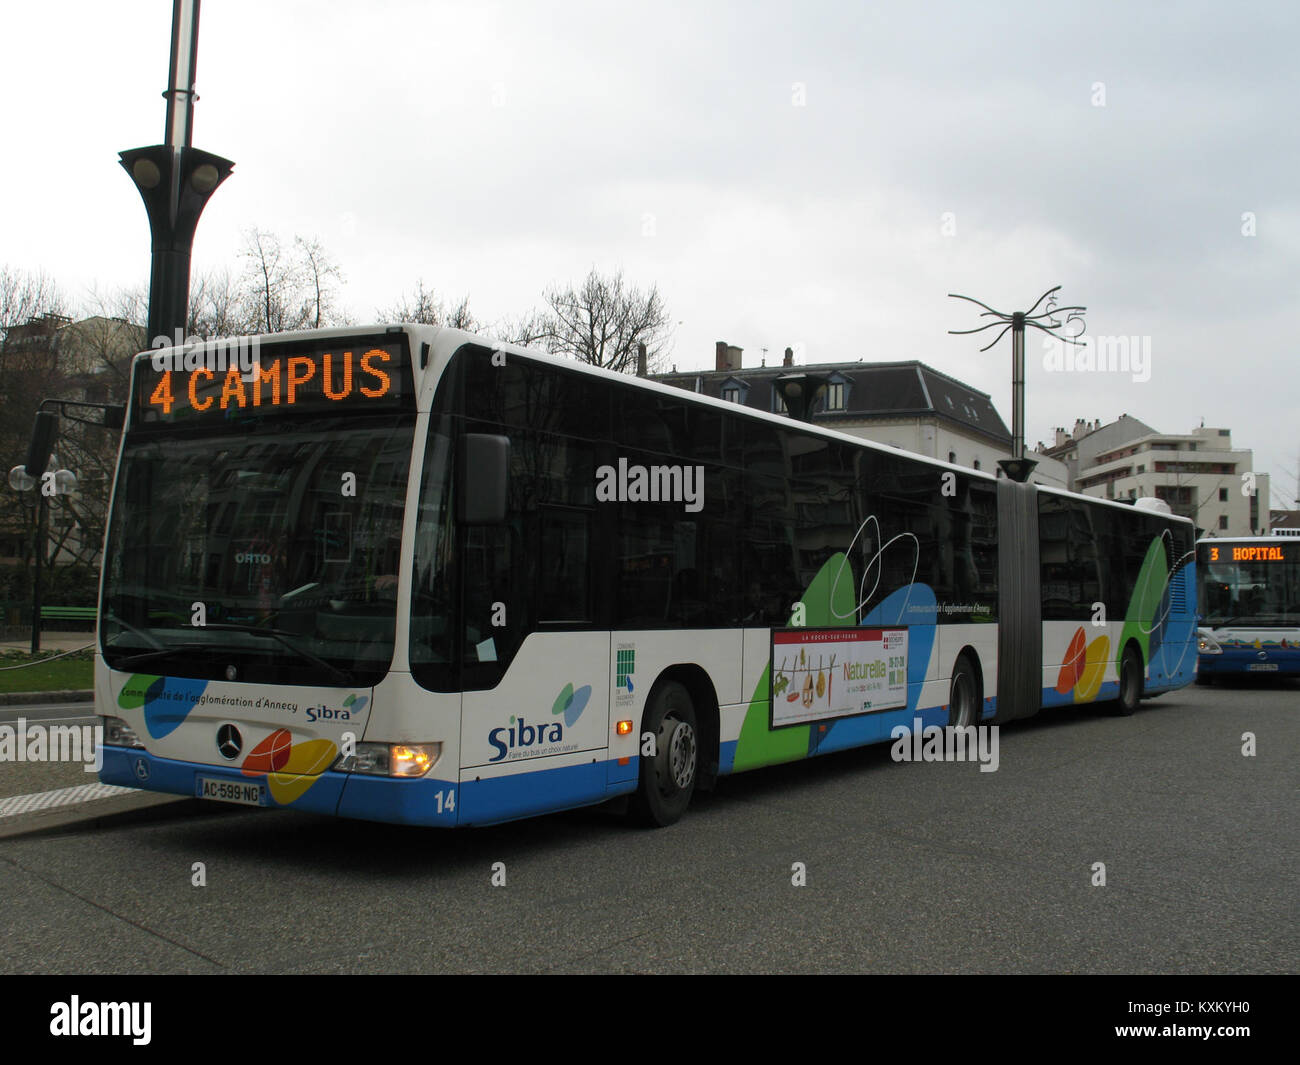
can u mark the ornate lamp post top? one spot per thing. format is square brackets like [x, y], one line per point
[1018, 467]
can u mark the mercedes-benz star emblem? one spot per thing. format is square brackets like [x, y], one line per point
[229, 741]
[231, 673]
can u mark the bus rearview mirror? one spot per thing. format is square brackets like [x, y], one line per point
[484, 470]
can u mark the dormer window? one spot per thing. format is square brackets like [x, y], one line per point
[734, 390]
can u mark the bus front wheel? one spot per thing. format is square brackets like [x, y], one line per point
[964, 694]
[1130, 682]
[668, 774]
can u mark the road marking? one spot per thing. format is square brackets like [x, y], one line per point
[48, 800]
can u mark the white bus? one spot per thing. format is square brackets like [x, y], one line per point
[407, 574]
[1249, 606]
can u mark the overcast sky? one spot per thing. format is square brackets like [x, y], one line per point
[787, 174]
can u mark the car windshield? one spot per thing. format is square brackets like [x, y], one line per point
[267, 554]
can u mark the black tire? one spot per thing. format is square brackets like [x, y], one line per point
[1204, 680]
[1130, 682]
[667, 779]
[964, 695]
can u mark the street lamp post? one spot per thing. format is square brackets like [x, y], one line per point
[800, 392]
[175, 181]
[1018, 467]
[36, 474]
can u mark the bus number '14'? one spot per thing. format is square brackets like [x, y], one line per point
[446, 800]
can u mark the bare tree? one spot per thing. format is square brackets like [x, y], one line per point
[218, 307]
[321, 275]
[26, 295]
[602, 320]
[525, 330]
[423, 307]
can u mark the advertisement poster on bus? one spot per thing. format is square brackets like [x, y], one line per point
[828, 673]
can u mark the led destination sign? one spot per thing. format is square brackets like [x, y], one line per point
[1249, 552]
[216, 381]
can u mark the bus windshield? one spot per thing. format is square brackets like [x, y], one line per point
[1251, 593]
[266, 552]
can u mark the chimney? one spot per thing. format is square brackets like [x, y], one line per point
[640, 360]
[727, 357]
[1060, 437]
[789, 357]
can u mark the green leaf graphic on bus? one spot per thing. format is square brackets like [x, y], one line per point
[571, 703]
[167, 701]
[759, 745]
[1144, 605]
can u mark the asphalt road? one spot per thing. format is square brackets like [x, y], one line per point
[910, 868]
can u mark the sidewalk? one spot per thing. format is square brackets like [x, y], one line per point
[50, 641]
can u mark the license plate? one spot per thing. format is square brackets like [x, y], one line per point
[245, 793]
[1262, 667]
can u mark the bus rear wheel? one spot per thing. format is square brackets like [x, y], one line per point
[668, 776]
[964, 694]
[1130, 682]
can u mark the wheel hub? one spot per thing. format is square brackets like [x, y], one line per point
[679, 754]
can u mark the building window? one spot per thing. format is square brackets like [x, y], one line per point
[731, 395]
[1223, 521]
[778, 403]
[952, 456]
[977, 464]
[835, 396]
[1142, 469]
[1223, 495]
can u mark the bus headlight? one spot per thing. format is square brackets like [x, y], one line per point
[118, 733]
[391, 759]
[1207, 644]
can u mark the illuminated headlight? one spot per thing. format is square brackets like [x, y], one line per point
[1207, 644]
[117, 733]
[391, 759]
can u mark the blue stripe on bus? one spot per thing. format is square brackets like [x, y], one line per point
[133, 768]
[496, 799]
[1109, 690]
[875, 728]
[1237, 660]
[411, 802]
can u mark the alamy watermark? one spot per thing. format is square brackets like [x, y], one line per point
[949, 743]
[216, 355]
[53, 743]
[79, 1018]
[651, 484]
[1099, 354]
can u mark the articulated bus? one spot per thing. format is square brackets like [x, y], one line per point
[410, 575]
[1248, 597]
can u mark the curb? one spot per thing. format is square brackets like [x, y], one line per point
[84, 695]
[97, 813]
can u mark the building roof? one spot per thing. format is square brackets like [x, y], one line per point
[876, 392]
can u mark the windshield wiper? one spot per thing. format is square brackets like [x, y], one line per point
[132, 661]
[143, 633]
[283, 637]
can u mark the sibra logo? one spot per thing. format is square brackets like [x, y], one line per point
[351, 705]
[519, 733]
